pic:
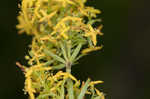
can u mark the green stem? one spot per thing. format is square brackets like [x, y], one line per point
[68, 67]
[69, 82]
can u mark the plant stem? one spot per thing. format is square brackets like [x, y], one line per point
[68, 67]
[69, 82]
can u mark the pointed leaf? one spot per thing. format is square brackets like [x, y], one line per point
[61, 66]
[62, 95]
[76, 52]
[70, 89]
[78, 57]
[63, 51]
[49, 62]
[93, 21]
[84, 89]
[56, 57]
[69, 49]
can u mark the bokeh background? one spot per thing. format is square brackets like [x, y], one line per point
[125, 67]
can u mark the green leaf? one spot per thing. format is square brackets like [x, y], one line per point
[83, 90]
[49, 62]
[56, 57]
[78, 57]
[44, 95]
[61, 66]
[98, 97]
[31, 53]
[62, 95]
[76, 52]
[49, 7]
[70, 89]
[93, 92]
[90, 42]
[63, 51]
[93, 21]
[69, 49]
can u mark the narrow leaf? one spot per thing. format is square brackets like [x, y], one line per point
[31, 53]
[76, 52]
[93, 21]
[49, 62]
[93, 93]
[63, 51]
[56, 57]
[78, 57]
[44, 95]
[62, 95]
[83, 90]
[70, 89]
[61, 66]
[69, 49]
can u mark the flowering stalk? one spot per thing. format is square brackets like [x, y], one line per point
[60, 37]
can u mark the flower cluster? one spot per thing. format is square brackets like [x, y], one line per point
[62, 32]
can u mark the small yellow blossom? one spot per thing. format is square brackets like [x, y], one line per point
[99, 30]
[100, 94]
[92, 34]
[29, 88]
[49, 38]
[47, 16]
[87, 50]
[95, 82]
[65, 2]
[63, 33]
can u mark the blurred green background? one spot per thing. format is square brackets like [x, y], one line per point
[124, 67]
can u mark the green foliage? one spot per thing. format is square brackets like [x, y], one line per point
[61, 36]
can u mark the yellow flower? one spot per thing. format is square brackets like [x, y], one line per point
[95, 82]
[100, 93]
[49, 38]
[28, 81]
[63, 33]
[65, 2]
[46, 16]
[92, 34]
[89, 11]
[29, 88]
[87, 50]
[48, 21]
[99, 30]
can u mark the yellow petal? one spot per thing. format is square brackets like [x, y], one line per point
[95, 82]
[100, 93]
[87, 50]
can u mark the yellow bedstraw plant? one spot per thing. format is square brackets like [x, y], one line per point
[62, 32]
